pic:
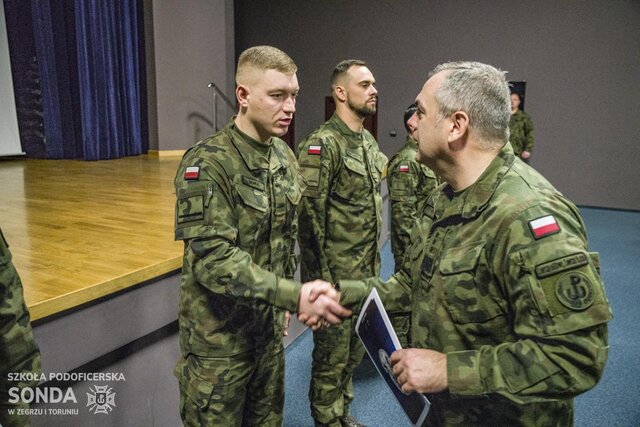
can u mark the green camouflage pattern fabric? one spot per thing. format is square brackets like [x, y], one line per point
[523, 320]
[236, 213]
[410, 184]
[340, 224]
[19, 352]
[224, 390]
[521, 132]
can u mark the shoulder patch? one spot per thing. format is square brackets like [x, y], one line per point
[544, 226]
[559, 265]
[191, 172]
[403, 168]
[575, 291]
[314, 150]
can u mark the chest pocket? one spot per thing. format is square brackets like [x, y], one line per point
[469, 291]
[254, 217]
[352, 184]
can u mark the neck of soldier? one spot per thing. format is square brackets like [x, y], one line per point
[464, 165]
[247, 127]
[353, 120]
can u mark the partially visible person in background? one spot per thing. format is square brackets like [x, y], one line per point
[410, 183]
[521, 129]
[340, 225]
[19, 353]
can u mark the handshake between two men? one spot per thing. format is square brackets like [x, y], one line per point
[320, 305]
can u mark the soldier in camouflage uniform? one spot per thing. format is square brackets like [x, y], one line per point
[19, 352]
[509, 313]
[237, 194]
[340, 222]
[520, 129]
[410, 183]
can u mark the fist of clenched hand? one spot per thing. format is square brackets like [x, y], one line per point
[420, 370]
[319, 305]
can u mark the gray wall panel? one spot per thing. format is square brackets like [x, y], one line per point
[580, 58]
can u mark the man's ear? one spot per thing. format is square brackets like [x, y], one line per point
[340, 93]
[459, 125]
[242, 94]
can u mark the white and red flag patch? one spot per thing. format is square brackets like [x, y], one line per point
[314, 150]
[192, 172]
[404, 168]
[544, 226]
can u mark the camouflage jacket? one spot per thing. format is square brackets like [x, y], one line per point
[236, 212]
[410, 184]
[18, 350]
[521, 132]
[341, 209]
[503, 283]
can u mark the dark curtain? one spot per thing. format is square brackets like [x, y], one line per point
[109, 78]
[90, 59]
[56, 61]
[26, 77]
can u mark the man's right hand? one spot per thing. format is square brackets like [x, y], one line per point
[323, 307]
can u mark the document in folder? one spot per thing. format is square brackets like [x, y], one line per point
[380, 340]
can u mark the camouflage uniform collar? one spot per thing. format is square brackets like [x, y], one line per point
[410, 142]
[342, 127]
[475, 198]
[254, 153]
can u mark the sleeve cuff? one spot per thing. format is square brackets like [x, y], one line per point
[287, 294]
[352, 294]
[463, 373]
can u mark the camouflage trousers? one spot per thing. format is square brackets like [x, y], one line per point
[337, 351]
[19, 352]
[240, 390]
[9, 415]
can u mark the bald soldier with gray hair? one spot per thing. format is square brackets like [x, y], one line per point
[509, 313]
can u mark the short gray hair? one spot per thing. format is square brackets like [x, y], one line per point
[482, 92]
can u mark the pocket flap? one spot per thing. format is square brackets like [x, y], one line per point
[355, 165]
[253, 197]
[462, 258]
[197, 388]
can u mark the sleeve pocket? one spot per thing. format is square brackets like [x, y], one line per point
[191, 211]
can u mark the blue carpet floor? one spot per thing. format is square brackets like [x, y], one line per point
[613, 402]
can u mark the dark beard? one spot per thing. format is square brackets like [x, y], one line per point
[363, 111]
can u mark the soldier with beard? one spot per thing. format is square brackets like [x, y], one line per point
[340, 222]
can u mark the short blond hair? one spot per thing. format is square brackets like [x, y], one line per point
[264, 58]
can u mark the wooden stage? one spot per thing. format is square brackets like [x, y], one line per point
[79, 230]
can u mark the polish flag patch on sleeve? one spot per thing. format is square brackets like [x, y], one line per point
[314, 150]
[192, 172]
[544, 226]
[404, 168]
